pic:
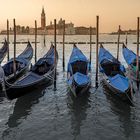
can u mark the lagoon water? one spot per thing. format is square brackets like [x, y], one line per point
[45, 114]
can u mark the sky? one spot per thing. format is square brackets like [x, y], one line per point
[112, 13]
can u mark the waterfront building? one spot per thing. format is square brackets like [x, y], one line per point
[69, 28]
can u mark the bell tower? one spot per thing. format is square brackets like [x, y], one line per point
[43, 19]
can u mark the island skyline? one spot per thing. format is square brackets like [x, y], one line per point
[79, 12]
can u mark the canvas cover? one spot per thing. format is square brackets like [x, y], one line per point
[27, 53]
[81, 79]
[129, 55]
[47, 58]
[76, 55]
[119, 82]
[105, 55]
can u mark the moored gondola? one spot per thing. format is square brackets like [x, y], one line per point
[113, 75]
[131, 58]
[22, 63]
[41, 73]
[78, 72]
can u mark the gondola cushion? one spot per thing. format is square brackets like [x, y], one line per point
[120, 82]
[81, 79]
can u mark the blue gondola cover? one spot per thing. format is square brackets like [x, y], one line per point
[81, 79]
[129, 55]
[120, 82]
[104, 55]
[76, 55]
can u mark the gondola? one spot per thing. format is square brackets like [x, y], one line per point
[113, 75]
[130, 58]
[78, 72]
[3, 51]
[42, 72]
[22, 63]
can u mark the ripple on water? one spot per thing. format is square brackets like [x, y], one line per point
[56, 115]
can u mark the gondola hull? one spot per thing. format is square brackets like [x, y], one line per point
[16, 91]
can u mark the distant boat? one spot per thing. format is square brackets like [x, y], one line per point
[131, 58]
[22, 65]
[3, 51]
[113, 75]
[77, 75]
[41, 73]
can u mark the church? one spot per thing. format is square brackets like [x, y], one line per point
[43, 19]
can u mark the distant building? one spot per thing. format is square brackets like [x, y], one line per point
[19, 30]
[43, 19]
[84, 30]
[69, 28]
[22, 29]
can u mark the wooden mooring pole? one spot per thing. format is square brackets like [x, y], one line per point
[55, 54]
[35, 41]
[97, 45]
[44, 37]
[14, 60]
[90, 40]
[63, 46]
[126, 40]
[118, 43]
[138, 33]
[8, 39]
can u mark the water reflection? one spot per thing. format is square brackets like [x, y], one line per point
[1, 99]
[22, 109]
[124, 112]
[78, 107]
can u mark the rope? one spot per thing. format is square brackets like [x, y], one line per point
[49, 77]
[131, 89]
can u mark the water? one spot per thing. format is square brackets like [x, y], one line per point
[46, 114]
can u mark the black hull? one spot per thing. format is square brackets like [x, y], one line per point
[18, 91]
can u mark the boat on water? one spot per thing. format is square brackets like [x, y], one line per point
[42, 72]
[113, 74]
[22, 63]
[131, 59]
[3, 51]
[78, 78]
